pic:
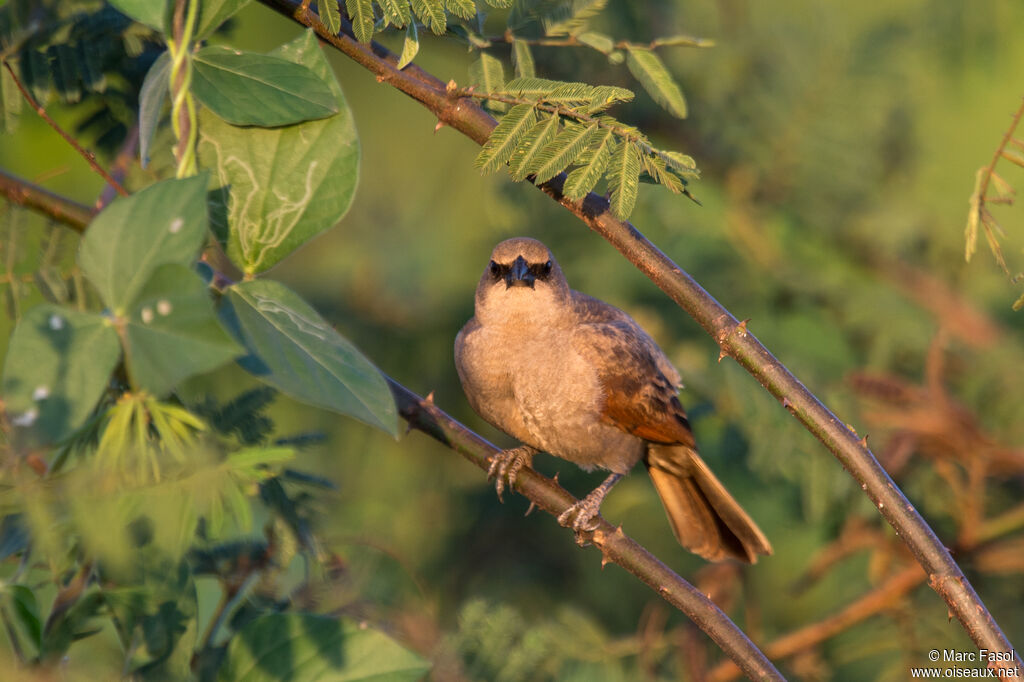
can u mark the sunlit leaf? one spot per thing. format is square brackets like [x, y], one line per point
[431, 13]
[296, 351]
[245, 88]
[562, 151]
[330, 14]
[58, 364]
[464, 9]
[524, 160]
[410, 46]
[682, 41]
[599, 41]
[647, 67]
[397, 12]
[623, 179]
[584, 178]
[302, 646]
[506, 137]
[360, 13]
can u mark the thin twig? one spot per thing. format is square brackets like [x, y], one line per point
[945, 576]
[89, 157]
[991, 167]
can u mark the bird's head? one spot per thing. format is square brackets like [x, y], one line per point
[522, 282]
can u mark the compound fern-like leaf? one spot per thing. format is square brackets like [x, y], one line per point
[624, 179]
[562, 151]
[525, 156]
[506, 137]
[598, 154]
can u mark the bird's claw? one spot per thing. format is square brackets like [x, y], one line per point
[582, 516]
[506, 465]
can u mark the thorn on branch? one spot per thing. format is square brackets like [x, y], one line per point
[440, 124]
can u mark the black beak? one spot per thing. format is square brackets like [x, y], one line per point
[519, 274]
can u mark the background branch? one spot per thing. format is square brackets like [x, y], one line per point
[89, 157]
[945, 577]
[24, 193]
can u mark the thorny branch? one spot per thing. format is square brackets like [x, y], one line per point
[945, 576]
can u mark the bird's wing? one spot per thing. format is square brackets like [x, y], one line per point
[637, 381]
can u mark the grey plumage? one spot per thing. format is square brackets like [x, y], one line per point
[576, 377]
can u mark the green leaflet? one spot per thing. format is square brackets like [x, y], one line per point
[524, 159]
[487, 73]
[171, 331]
[522, 59]
[598, 154]
[330, 14]
[656, 168]
[245, 88]
[647, 67]
[411, 45]
[506, 137]
[565, 94]
[598, 41]
[562, 151]
[164, 223]
[623, 179]
[397, 12]
[464, 9]
[431, 13]
[294, 350]
[360, 13]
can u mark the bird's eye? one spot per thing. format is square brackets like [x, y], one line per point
[494, 269]
[547, 267]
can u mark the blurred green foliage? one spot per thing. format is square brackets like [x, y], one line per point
[838, 144]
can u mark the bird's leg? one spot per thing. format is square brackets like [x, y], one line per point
[506, 464]
[583, 512]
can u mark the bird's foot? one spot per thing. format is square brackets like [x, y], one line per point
[583, 516]
[505, 466]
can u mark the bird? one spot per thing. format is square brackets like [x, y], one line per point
[568, 374]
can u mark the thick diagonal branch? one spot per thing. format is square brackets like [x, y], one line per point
[945, 577]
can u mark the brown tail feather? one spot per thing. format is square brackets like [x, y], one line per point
[704, 516]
